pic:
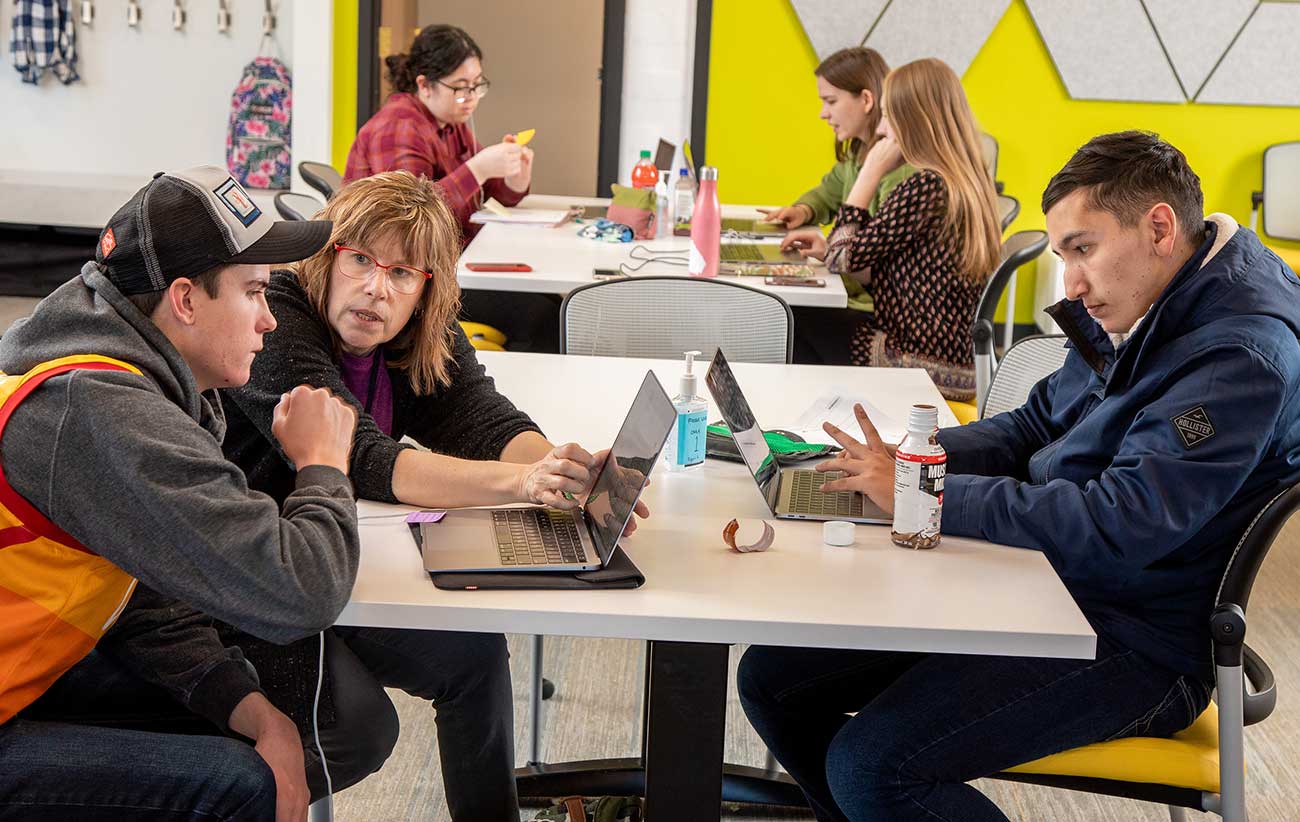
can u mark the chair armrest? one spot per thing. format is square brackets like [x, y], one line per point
[981, 333]
[1261, 695]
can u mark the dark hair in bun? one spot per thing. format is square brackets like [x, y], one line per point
[438, 50]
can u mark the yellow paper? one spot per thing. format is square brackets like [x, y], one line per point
[496, 208]
[524, 136]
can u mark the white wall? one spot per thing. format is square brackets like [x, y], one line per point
[153, 99]
[658, 58]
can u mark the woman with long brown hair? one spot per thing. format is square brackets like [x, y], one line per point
[372, 318]
[849, 84]
[926, 252]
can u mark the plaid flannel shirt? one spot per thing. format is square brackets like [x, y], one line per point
[404, 136]
[43, 38]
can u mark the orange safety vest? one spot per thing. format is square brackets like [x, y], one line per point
[57, 597]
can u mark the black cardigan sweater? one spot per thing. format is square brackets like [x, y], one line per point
[466, 418]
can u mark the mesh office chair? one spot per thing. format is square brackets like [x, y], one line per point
[305, 207]
[297, 206]
[1017, 250]
[1202, 767]
[321, 177]
[1008, 210]
[989, 148]
[663, 316]
[1020, 369]
[1280, 199]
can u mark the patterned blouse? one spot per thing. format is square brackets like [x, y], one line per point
[924, 306]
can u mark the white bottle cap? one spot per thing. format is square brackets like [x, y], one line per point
[838, 532]
[687, 386]
[924, 418]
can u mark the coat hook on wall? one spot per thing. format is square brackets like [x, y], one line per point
[133, 14]
[223, 17]
[87, 12]
[178, 15]
[268, 21]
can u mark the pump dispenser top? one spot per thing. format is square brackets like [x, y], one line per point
[688, 385]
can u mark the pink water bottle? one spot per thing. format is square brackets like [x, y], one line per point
[706, 227]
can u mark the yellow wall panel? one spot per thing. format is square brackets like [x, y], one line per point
[764, 135]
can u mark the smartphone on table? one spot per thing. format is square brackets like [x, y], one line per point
[802, 282]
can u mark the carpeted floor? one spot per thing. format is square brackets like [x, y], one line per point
[595, 714]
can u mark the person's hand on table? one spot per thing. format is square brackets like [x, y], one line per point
[809, 242]
[558, 477]
[790, 216]
[868, 467]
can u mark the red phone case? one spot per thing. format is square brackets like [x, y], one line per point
[498, 266]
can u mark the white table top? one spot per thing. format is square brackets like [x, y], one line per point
[967, 596]
[78, 200]
[562, 261]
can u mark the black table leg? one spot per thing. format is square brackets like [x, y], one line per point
[685, 729]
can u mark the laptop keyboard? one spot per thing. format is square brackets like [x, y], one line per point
[806, 496]
[741, 252]
[537, 536]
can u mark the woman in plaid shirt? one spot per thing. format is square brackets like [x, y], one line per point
[426, 127]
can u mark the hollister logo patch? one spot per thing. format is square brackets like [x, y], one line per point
[1194, 426]
[107, 243]
[238, 201]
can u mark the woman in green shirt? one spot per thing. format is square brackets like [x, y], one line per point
[849, 83]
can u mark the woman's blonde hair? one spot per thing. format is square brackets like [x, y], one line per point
[397, 204]
[855, 70]
[936, 130]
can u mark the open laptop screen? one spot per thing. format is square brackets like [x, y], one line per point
[630, 460]
[745, 430]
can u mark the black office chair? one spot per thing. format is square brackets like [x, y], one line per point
[1008, 210]
[321, 177]
[989, 148]
[1018, 249]
[1202, 767]
[297, 206]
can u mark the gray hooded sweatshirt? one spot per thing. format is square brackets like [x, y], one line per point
[132, 467]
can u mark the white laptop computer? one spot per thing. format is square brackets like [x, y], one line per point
[790, 493]
[546, 539]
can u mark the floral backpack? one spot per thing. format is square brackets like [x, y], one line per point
[257, 142]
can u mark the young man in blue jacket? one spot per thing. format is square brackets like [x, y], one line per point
[1134, 468]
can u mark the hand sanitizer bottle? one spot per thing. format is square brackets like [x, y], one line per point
[685, 448]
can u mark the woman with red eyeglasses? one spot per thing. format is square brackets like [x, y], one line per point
[372, 317]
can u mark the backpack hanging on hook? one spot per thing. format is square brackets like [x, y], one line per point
[257, 141]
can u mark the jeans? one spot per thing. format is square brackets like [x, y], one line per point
[925, 724]
[467, 678]
[64, 758]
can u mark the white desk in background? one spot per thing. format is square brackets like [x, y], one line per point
[968, 596]
[562, 261]
[80, 201]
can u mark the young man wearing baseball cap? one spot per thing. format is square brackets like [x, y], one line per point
[113, 474]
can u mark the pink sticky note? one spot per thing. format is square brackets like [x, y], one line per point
[426, 516]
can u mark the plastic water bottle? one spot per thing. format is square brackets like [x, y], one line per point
[684, 450]
[644, 173]
[683, 198]
[663, 214]
[706, 227]
[919, 470]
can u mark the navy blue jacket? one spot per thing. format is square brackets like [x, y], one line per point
[1136, 470]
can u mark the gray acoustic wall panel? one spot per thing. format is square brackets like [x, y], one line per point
[835, 24]
[952, 30]
[1263, 67]
[1196, 33]
[1108, 53]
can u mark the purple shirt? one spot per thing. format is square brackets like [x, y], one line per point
[367, 378]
